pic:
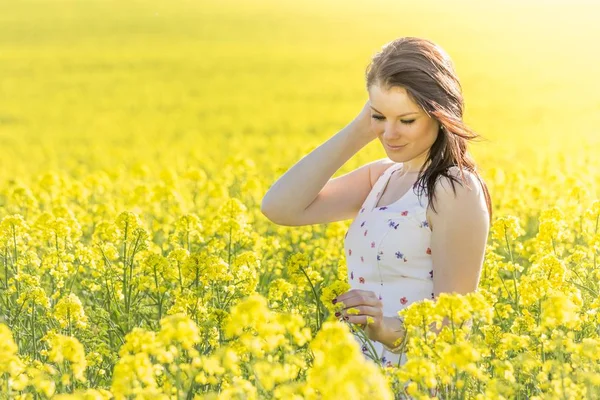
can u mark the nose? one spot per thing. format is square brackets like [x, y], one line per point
[391, 130]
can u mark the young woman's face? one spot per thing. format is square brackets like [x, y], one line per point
[400, 122]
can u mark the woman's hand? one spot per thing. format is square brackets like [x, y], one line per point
[370, 311]
[362, 123]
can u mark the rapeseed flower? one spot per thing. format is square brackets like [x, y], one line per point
[69, 312]
[68, 348]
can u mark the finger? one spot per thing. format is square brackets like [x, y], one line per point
[360, 299]
[363, 310]
[360, 319]
[356, 292]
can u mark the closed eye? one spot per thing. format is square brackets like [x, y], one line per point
[404, 121]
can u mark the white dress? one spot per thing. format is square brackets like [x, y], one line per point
[388, 252]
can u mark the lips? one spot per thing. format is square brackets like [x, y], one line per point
[395, 147]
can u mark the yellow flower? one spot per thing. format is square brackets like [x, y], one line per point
[552, 228]
[13, 227]
[32, 294]
[280, 290]
[557, 310]
[328, 293]
[300, 271]
[139, 341]
[453, 306]
[270, 374]
[339, 369]
[244, 269]
[506, 228]
[67, 348]
[188, 231]
[353, 311]
[88, 394]
[419, 370]
[69, 311]
[134, 375]
[11, 363]
[178, 329]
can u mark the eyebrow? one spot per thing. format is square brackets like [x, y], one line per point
[401, 115]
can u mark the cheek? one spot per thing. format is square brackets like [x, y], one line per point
[434, 137]
[428, 136]
[416, 133]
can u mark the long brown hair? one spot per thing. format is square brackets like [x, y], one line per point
[427, 73]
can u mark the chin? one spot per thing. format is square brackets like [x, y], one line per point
[397, 159]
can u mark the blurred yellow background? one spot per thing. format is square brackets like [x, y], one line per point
[139, 137]
[93, 84]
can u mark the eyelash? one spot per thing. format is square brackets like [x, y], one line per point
[380, 118]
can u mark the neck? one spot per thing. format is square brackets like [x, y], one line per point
[415, 165]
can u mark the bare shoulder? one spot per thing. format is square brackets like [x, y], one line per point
[459, 198]
[378, 167]
[461, 182]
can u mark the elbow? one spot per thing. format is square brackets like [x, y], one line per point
[268, 210]
[264, 207]
[272, 214]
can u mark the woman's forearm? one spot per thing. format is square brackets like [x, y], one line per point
[394, 332]
[295, 190]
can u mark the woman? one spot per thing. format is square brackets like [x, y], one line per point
[421, 215]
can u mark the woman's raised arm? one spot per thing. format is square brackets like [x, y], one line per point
[307, 195]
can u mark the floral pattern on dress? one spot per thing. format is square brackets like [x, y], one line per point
[400, 256]
[389, 253]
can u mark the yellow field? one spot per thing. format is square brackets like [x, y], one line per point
[139, 139]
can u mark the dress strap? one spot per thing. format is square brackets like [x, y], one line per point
[380, 186]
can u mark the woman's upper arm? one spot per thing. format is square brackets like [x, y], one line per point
[459, 236]
[341, 197]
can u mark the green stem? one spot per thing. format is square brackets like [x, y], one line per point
[366, 340]
[512, 260]
[596, 231]
[539, 322]
[35, 352]
[316, 298]
[124, 288]
[180, 277]
[159, 298]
